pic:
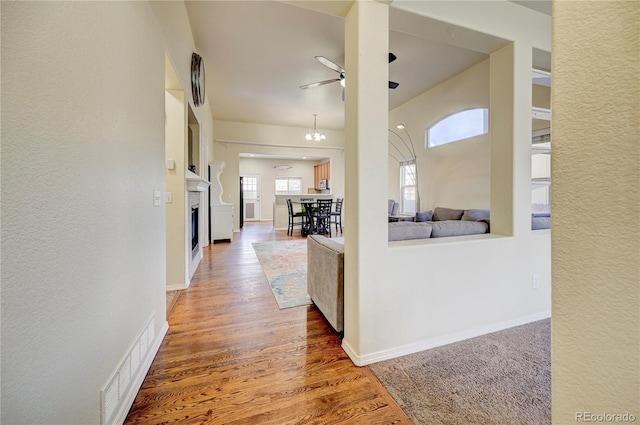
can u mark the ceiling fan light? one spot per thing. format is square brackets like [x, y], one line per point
[323, 137]
[400, 126]
[343, 82]
[308, 136]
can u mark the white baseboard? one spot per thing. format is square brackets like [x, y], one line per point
[176, 287]
[363, 360]
[124, 397]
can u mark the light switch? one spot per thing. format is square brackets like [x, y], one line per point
[168, 197]
[157, 198]
[171, 164]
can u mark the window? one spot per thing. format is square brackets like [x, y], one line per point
[288, 185]
[250, 187]
[408, 187]
[458, 126]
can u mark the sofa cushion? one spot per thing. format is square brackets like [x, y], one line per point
[538, 223]
[393, 207]
[406, 230]
[540, 214]
[475, 215]
[442, 214]
[424, 216]
[457, 228]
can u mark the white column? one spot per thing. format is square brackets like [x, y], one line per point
[366, 153]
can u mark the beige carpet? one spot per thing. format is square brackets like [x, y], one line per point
[499, 378]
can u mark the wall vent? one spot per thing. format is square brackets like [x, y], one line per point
[113, 395]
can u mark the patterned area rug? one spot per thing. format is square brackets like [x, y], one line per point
[285, 266]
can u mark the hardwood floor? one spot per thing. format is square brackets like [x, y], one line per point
[232, 357]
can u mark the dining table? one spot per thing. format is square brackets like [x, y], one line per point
[311, 219]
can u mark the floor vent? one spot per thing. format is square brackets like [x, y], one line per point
[113, 395]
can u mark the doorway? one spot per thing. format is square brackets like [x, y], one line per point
[250, 191]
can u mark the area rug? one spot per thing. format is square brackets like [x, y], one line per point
[285, 266]
[499, 378]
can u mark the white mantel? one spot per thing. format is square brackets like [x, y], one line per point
[195, 183]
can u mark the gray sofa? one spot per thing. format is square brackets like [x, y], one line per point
[441, 222]
[540, 221]
[325, 278]
[444, 222]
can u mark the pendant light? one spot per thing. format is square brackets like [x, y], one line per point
[315, 134]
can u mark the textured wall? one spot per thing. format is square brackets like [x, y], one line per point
[595, 204]
[83, 250]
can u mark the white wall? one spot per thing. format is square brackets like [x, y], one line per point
[84, 254]
[407, 296]
[179, 45]
[83, 248]
[233, 138]
[178, 230]
[595, 176]
[455, 175]
[264, 168]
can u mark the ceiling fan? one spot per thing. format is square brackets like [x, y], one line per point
[340, 70]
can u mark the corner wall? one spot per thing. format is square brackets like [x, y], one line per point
[416, 295]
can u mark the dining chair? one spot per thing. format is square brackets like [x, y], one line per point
[292, 218]
[323, 216]
[308, 222]
[337, 214]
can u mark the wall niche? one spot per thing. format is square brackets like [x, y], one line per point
[193, 144]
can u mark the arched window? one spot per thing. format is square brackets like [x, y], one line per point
[458, 126]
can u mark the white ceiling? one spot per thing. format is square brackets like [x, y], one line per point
[258, 53]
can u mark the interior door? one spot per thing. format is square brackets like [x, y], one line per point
[251, 192]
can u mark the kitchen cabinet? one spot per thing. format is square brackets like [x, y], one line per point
[321, 172]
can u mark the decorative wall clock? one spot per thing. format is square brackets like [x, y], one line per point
[197, 79]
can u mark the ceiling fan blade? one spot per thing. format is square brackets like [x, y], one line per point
[326, 62]
[392, 57]
[319, 83]
[393, 85]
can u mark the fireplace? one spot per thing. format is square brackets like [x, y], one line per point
[194, 228]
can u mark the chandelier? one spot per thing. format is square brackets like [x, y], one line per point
[315, 134]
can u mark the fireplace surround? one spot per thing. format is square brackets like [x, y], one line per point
[195, 208]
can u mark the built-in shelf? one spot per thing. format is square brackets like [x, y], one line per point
[536, 150]
[540, 182]
[541, 113]
[195, 183]
[540, 142]
[541, 136]
[541, 78]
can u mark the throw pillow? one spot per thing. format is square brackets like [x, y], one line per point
[424, 216]
[475, 215]
[442, 214]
